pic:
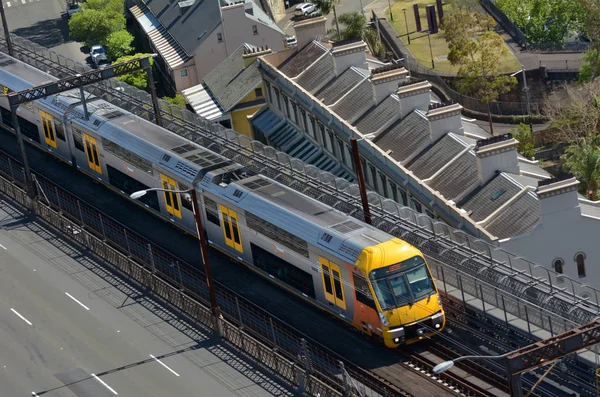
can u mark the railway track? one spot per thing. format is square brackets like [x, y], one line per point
[412, 361]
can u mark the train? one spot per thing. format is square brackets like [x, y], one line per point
[373, 281]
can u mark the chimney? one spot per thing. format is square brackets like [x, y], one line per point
[385, 81]
[496, 154]
[251, 54]
[443, 118]
[558, 195]
[349, 53]
[309, 29]
[413, 95]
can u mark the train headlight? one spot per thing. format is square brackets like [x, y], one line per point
[437, 319]
[397, 340]
[384, 320]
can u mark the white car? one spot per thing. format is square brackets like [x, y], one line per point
[304, 9]
[291, 41]
[73, 8]
[97, 53]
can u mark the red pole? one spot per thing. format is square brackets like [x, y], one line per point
[214, 306]
[361, 180]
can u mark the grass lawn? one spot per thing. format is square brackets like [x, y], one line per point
[419, 46]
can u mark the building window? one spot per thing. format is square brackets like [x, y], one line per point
[268, 85]
[294, 112]
[580, 259]
[322, 133]
[313, 128]
[404, 197]
[286, 106]
[383, 185]
[258, 92]
[373, 176]
[219, 37]
[331, 145]
[254, 29]
[394, 191]
[342, 151]
[184, 73]
[557, 264]
[303, 114]
[418, 206]
[278, 98]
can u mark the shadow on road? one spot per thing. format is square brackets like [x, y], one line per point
[49, 33]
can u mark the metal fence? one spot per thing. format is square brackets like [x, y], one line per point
[502, 272]
[506, 23]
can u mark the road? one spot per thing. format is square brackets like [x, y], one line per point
[69, 328]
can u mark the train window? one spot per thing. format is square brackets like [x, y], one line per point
[186, 199]
[60, 130]
[282, 270]
[91, 151]
[332, 276]
[48, 129]
[212, 214]
[77, 138]
[362, 291]
[231, 229]
[127, 156]
[171, 199]
[28, 129]
[129, 185]
[277, 234]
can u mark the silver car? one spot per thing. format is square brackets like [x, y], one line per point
[304, 9]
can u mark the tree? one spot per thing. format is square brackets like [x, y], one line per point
[478, 52]
[590, 69]
[91, 27]
[137, 79]
[355, 25]
[577, 116]
[526, 144]
[326, 6]
[582, 159]
[118, 44]
[177, 100]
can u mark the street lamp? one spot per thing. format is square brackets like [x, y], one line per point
[446, 365]
[391, 15]
[214, 307]
[360, 176]
[526, 89]
[406, 24]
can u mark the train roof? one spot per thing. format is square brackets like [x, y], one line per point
[294, 212]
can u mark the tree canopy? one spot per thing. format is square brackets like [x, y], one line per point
[325, 7]
[118, 44]
[97, 20]
[526, 144]
[178, 100]
[355, 25]
[582, 159]
[137, 79]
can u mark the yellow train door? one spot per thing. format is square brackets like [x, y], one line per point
[171, 199]
[91, 151]
[48, 128]
[231, 228]
[333, 284]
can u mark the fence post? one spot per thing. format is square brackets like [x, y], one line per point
[180, 277]
[504, 309]
[10, 167]
[527, 319]
[461, 288]
[482, 300]
[237, 304]
[127, 242]
[153, 266]
[102, 227]
[273, 332]
[80, 213]
[60, 211]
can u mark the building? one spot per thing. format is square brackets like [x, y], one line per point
[232, 91]
[422, 154]
[192, 37]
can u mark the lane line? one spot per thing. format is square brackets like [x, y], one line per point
[23, 1]
[3, 247]
[164, 365]
[105, 385]
[81, 304]
[22, 318]
[34, 394]
[8, 3]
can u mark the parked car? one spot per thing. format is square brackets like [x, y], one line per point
[97, 53]
[73, 8]
[290, 41]
[102, 63]
[304, 9]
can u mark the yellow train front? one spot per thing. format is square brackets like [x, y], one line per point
[406, 297]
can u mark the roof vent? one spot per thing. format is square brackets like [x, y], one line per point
[166, 157]
[494, 139]
[546, 182]
[238, 193]
[112, 115]
[346, 227]
[326, 237]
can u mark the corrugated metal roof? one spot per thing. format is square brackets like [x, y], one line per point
[202, 102]
[168, 48]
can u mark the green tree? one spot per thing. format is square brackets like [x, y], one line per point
[113, 7]
[91, 27]
[477, 51]
[582, 159]
[355, 25]
[590, 69]
[137, 79]
[526, 144]
[177, 100]
[118, 44]
[326, 6]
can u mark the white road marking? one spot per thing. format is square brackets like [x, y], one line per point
[1, 246]
[34, 394]
[105, 385]
[22, 318]
[8, 3]
[164, 365]
[23, 1]
[81, 304]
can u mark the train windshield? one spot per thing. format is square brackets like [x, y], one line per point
[402, 284]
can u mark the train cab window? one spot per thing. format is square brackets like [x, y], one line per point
[362, 291]
[171, 199]
[332, 276]
[128, 185]
[212, 213]
[48, 128]
[231, 228]
[91, 151]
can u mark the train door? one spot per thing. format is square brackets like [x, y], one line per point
[333, 284]
[91, 152]
[48, 128]
[231, 228]
[171, 199]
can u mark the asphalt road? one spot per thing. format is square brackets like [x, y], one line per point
[67, 330]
